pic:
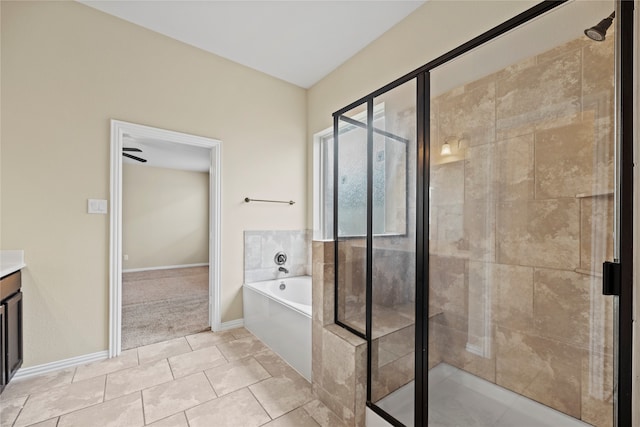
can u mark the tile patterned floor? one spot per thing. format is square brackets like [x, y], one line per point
[224, 379]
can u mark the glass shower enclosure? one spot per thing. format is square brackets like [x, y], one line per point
[477, 199]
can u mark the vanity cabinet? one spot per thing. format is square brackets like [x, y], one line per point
[10, 326]
[13, 326]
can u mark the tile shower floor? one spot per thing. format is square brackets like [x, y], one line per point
[224, 379]
[457, 398]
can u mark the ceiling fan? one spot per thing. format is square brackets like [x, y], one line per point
[131, 156]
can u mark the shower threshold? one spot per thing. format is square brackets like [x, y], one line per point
[458, 398]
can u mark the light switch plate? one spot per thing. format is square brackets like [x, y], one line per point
[96, 206]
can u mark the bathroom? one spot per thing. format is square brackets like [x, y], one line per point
[472, 221]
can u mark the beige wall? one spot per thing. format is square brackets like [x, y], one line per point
[432, 30]
[68, 69]
[165, 217]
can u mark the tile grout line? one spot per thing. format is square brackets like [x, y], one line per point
[104, 389]
[79, 409]
[192, 407]
[189, 343]
[75, 372]
[135, 391]
[184, 411]
[144, 417]
[20, 411]
[210, 385]
[288, 412]
[263, 367]
[314, 418]
[221, 353]
[171, 369]
[106, 382]
[161, 419]
[260, 403]
[46, 388]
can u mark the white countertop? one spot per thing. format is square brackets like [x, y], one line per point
[11, 261]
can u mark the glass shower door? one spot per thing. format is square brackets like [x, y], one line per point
[521, 219]
[393, 254]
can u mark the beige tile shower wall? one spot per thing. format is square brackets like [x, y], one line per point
[352, 281]
[393, 273]
[520, 223]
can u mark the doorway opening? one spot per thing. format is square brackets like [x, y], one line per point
[162, 149]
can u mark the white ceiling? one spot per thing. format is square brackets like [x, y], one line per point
[296, 41]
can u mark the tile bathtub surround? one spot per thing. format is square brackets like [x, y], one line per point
[520, 222]
[184, 382]
[260, 247]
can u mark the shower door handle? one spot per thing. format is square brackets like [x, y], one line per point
[611, 278]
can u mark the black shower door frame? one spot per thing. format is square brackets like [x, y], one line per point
[625, 111]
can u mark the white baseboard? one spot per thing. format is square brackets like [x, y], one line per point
[60, 364]
[165, 267]
[232, 324]
[93, 357]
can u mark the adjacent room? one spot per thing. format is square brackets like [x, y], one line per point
[165, 241]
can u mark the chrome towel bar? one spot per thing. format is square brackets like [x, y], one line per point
[246, 199]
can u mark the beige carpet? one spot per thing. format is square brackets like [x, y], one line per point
[164, 304]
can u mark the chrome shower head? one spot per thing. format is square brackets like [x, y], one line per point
[598, 32]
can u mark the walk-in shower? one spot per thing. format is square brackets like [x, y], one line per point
[477, 199]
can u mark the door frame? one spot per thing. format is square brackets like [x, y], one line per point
[118, 131]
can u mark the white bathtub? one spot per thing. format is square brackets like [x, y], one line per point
[281, 318]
